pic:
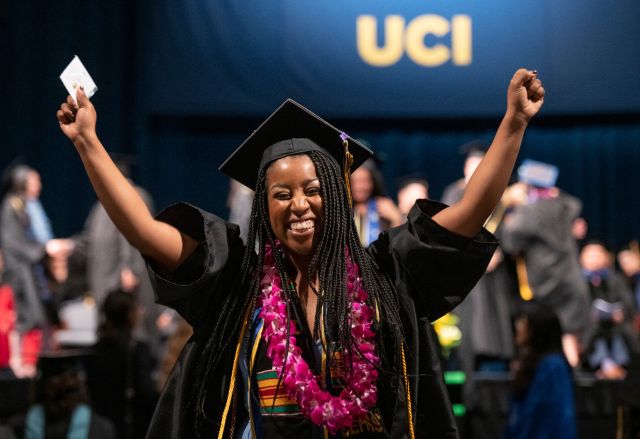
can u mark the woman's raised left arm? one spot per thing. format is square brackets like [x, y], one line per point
[525, 97]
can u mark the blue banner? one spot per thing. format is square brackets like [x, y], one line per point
[389, 58]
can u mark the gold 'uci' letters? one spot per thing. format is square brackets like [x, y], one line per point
[398, 38]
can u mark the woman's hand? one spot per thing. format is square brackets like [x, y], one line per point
[525, 95]
[78, 122]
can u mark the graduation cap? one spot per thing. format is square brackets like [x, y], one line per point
[538, 174]
[292, 129]
[474, 148]
[54, 363]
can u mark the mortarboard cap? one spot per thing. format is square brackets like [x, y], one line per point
[291, 129]
[474, 148]
[538, 174]
[55, 363]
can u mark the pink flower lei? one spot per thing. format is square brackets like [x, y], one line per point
[300, 383]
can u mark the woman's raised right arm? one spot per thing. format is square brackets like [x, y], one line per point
[162, 243]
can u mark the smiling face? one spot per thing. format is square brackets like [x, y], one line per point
[295, 203]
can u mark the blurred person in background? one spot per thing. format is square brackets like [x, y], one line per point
[486, 315]
[410, 190]
[119, 373]
[27, 245]
[542, 405]
[474, 151]
[629, 261]
[373, 212]
[239, 203]
[609, 341]
[61, 409]
[8, 335]
[486, 320]
[112, 263]
[537, 233]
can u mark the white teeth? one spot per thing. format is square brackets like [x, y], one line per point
[301, 225]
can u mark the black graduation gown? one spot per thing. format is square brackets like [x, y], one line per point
[431, 268]
[541, 232]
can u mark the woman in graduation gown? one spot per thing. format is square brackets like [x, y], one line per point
[300, 332]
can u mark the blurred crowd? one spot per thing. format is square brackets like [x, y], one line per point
[78, 320]
[77, 315]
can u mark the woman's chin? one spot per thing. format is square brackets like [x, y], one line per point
[300, 247]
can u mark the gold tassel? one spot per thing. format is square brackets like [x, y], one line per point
[412, 433]
[346, 168]
[494, 220]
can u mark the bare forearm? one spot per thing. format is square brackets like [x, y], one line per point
[159, 241]
[488, 182]
[492, 176]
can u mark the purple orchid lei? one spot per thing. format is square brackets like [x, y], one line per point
[300, 383]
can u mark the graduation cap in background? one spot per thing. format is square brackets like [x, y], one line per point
[54, 363]
[473, 148]
[125, 162]
[596, 240]
[292, 129]
[9, 173]
[414, 177]
[538, 174]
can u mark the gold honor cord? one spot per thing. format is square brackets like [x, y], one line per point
[523, 279]
[412, 433]
[254, 351]
[405, 376]
[346, 169]
[324, 361]
[232, 383]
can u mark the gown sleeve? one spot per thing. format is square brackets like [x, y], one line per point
[208, 275]
[435, 267]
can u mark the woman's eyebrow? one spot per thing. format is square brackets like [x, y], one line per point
[279, 186]
[286, 186]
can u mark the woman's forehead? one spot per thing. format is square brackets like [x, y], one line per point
[291, 168]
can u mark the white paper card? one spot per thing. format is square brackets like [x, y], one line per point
[75, 75]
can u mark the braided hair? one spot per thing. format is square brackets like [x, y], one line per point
[337, 232]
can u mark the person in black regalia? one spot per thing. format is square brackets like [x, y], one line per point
[300, 332]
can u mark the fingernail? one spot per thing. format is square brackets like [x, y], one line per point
[535, 72]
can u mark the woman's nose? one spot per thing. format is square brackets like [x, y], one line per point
[300, 204]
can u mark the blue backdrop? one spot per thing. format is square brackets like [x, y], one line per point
[413, 58]
[183, 83]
